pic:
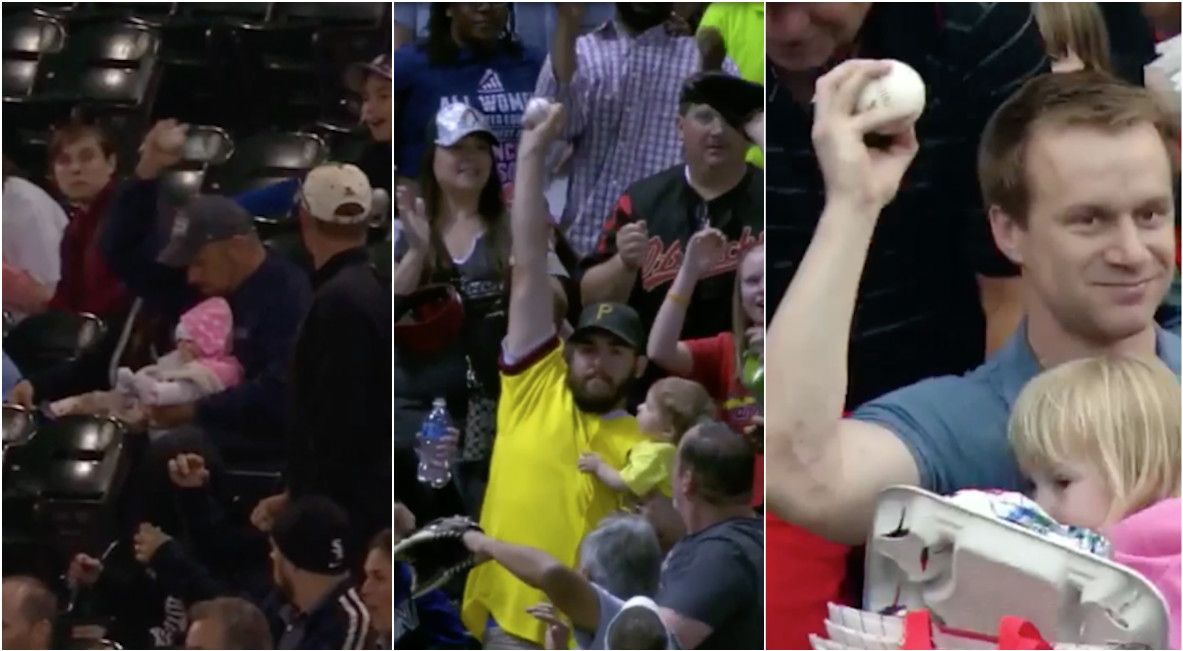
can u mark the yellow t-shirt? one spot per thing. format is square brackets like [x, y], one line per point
[649, 466]
[741, 24]
[537, 495]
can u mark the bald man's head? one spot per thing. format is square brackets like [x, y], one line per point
[29, 613]
[720, 464]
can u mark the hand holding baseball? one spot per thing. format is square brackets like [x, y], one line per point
[84, 570]
[542, 122]
[703, 251]
[161, 148]
[632, 240]
[856, 174]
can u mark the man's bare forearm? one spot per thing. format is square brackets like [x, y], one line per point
[609, 281]
[531, 305]
[807, 343]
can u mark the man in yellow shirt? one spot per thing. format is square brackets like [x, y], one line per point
[557, 402]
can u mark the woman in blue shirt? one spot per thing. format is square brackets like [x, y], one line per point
[469, 56]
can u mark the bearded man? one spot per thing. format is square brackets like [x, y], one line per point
[558, 401]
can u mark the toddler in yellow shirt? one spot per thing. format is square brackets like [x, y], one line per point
[672, 406]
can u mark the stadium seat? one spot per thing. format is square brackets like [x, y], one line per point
[266, 158]
[27, 39]
[45, 340]
[111, 63]
[333, 13]
[19, 425]
[205, 147]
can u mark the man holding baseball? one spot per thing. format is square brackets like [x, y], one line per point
[558, 401]
[1077, 176]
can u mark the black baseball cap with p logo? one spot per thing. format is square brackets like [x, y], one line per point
[616, 319]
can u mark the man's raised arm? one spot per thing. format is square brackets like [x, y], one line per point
[824, 472]
[531, 307]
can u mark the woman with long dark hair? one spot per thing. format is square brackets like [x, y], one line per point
[470, 56]
[456, 234]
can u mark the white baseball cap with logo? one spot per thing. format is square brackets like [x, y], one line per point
[338, 193]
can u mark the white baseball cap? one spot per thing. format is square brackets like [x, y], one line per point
[643, 603]
[330, 191]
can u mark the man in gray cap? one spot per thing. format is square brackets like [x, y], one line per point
[211, 250]
[340, 436]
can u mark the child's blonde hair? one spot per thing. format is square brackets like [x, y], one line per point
[1121, 413]
[683, 404]
[1078, 27]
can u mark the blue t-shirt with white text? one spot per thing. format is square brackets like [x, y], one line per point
[499, 85]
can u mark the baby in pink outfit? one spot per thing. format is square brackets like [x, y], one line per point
[201, 365]
[1099, 438]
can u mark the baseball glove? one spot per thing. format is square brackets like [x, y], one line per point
[436, 553]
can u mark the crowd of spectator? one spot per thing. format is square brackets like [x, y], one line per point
[563, 266]
[249, 380]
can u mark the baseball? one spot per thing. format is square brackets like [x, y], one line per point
[535, 112]
[900, 93]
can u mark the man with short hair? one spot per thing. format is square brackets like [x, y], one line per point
[1077, 174]
[712, 582]
[30, 613]
[641, 247]
[620, 84]
[227, 623]
[558, 401]
[308, 562]
[618, 560]
[339, 442]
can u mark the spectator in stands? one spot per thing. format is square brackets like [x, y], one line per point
[339, 443]
[730, 364]
[640, 249]
[470, 56]
[372, 81]
[213, 250]
[227, 623]
[458, 234]
[937, 295]
[143, 612]
[33, 227]
[712, 582]
[30, 613]
[736, 29]
[620, 83]
[618, 560]
[558, 401]
[427, 622]
[1074, 35]
[82, 166]
[1096, 253]
[322, 608]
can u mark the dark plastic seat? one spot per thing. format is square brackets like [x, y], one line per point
[19, 425]
[45, 340]
[28, 38]
[267, 158]
[333, 13]
[205, 146]
[108, 63]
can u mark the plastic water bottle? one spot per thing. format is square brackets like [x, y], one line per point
[435, 456]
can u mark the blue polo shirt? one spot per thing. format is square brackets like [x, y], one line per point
[956, 427]
[499, 85]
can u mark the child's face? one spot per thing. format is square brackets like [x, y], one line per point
[1075, 493]
[188, 350]
[649, 418]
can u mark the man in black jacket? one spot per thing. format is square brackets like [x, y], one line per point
[339, 442]
[323, 610]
